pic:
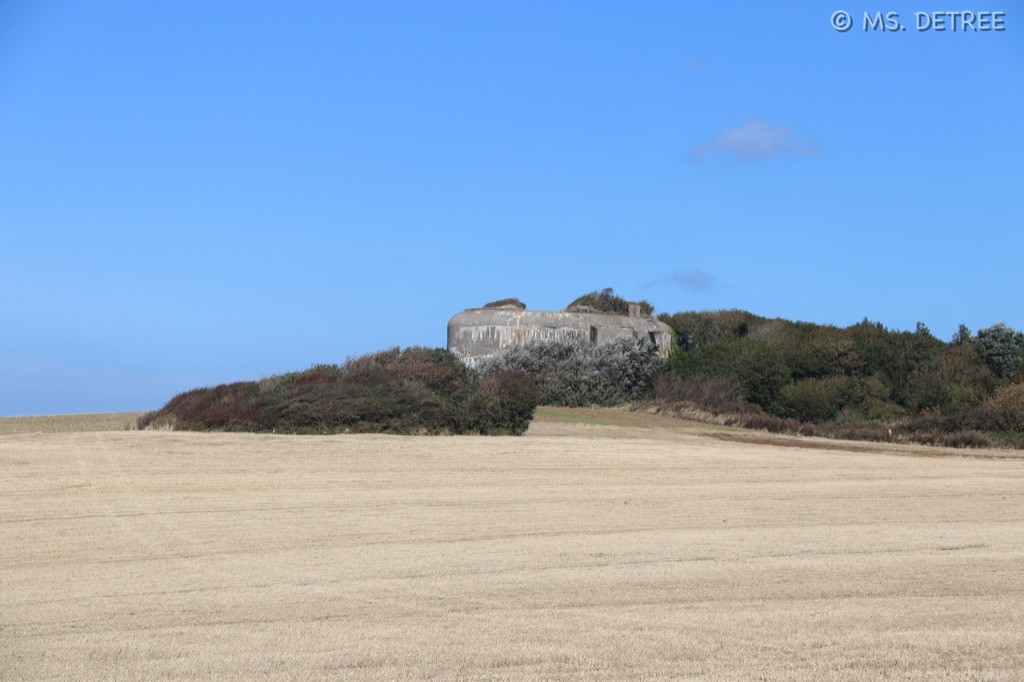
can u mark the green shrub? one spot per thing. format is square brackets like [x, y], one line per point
[506, 303]
[697, 329]
[714, 360]
[817, 400]
[872, 398]
[605, 301]
[820, 352]
[763, 374]
[757, 367]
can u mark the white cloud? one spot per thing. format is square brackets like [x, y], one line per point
[757, 139]
[691, 280]
[698, 65]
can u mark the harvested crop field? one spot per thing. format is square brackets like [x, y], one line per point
[600, 545]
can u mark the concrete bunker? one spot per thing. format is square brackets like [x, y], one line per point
[477, 334]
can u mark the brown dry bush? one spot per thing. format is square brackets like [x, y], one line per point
[862, 431]
[711, 394]
[1004, 411]
[770, 423]
[416, 390]
[956, 439]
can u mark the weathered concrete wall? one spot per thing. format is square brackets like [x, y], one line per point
[479, 333]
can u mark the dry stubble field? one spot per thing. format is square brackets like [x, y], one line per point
[600, 545]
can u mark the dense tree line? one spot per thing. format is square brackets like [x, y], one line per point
[862, 377]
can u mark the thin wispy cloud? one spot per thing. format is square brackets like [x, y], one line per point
[757, 139]
[699, 65]
[691, 280]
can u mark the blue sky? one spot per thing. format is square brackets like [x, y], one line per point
[197, 192]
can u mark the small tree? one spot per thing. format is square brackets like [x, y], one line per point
[1002, 349]
[962, 336]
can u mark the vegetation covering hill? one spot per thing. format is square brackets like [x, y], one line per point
[416, 390]
[862, 381]
[859, 381]
[606, 301]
